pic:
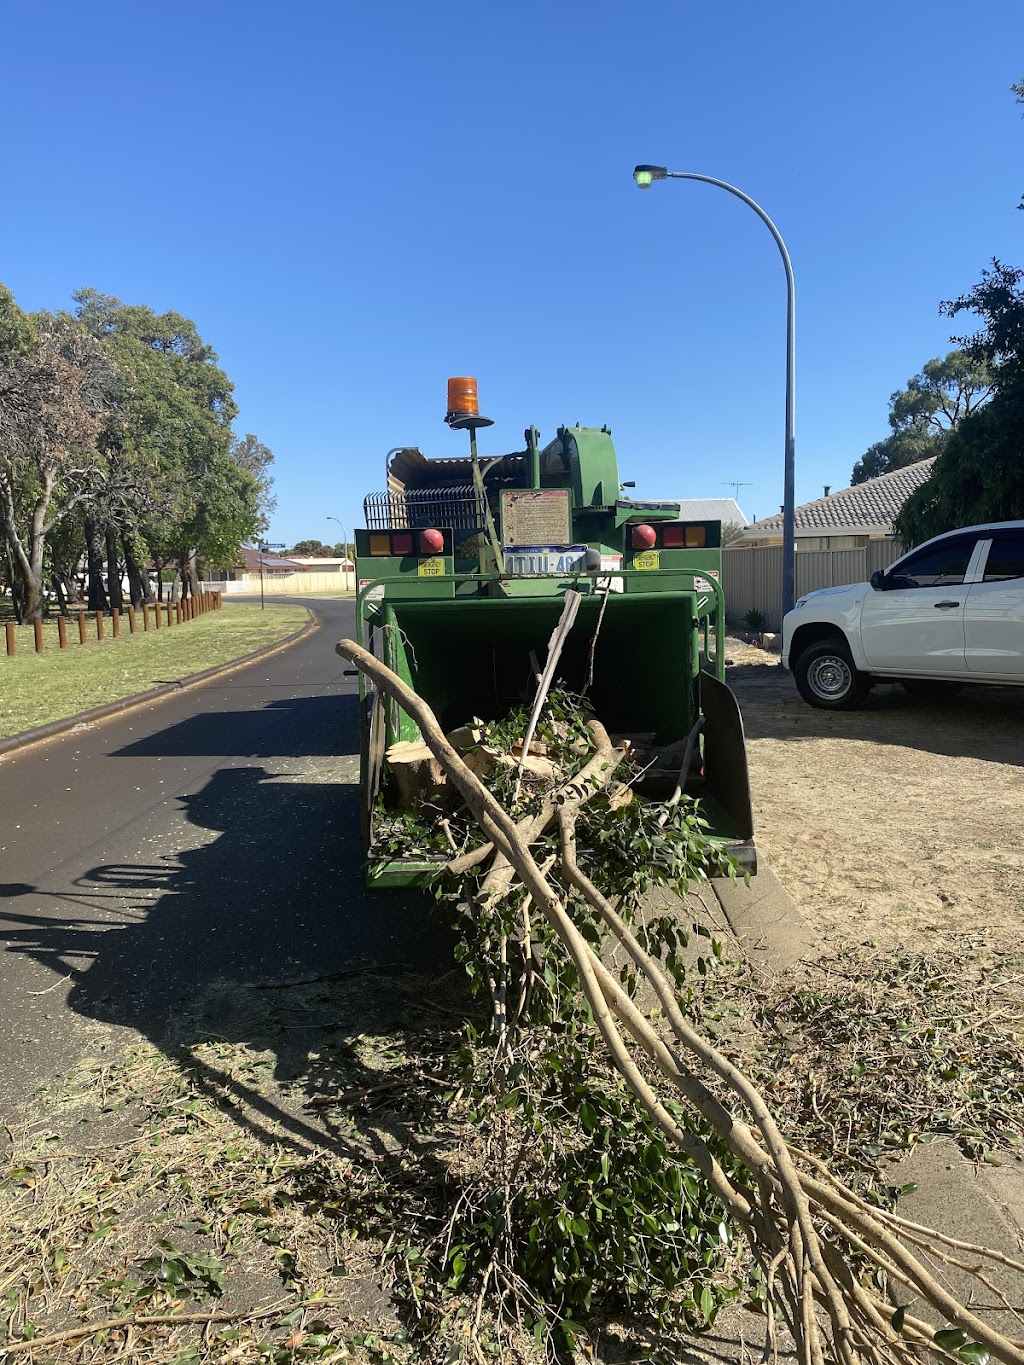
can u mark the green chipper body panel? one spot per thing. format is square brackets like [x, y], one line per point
[463, 566]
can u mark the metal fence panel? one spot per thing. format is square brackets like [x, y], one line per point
[752, 577]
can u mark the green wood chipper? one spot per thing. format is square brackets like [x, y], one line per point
[463, 569]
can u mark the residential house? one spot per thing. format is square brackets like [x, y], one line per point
[846, 520]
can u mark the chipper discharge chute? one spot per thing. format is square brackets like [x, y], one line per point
[463, 570]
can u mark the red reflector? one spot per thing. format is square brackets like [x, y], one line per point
[431, 542]
[673, 537]
[402, 544]
[644, 537]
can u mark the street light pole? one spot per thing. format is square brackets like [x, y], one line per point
[645, 177]
[344, 554]
[265, 545]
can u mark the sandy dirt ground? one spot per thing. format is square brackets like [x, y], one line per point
[900, 823]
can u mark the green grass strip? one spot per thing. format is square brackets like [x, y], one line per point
[36, 689]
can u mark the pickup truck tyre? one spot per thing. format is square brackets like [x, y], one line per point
[931, 689]
[826, 676]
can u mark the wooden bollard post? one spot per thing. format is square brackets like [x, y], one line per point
[115, 617]
[81, 627]
[99, 625]
[12, 634]
[62, 631]
[37, 628]
[131, 620]
[145, 616]
[169, 610]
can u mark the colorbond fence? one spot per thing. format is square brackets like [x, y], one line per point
[752, 577]
[85, 625]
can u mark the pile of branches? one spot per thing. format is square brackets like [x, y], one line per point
[833, 1265]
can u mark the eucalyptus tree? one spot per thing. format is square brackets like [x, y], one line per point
[54, 381]
[170, 449]
[979, 475]
[922, 415]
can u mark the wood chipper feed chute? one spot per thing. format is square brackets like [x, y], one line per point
[464, 571]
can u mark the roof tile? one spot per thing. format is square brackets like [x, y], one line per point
[868, 506]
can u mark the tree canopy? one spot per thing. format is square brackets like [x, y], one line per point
[922, 415]
[979, 476]
[313, 547]
[116, 439]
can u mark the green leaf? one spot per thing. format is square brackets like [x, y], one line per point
[973, 1354]
[898, 1318]
[950, 1338]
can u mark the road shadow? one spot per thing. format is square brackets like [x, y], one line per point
[983, 722]
[322, 1019]
[203, 941]
[318, 727]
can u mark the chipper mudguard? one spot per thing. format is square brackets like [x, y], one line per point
[726, 778]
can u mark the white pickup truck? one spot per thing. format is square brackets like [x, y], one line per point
[948, 613]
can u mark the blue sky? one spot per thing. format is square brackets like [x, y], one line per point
[355, 201]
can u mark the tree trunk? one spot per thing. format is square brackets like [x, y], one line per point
[58, 588]
[27, 585]
[190, 574]
[113, 571]
[139, 586]
[94, 551]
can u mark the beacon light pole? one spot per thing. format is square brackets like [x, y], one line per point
[645, 177]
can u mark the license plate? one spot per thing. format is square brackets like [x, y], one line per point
[544, 559]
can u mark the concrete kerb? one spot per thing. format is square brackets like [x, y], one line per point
[113, 708]
[765, 919]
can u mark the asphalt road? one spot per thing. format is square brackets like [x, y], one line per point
[209, 838]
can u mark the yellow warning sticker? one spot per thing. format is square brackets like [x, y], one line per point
[430, 568]
[647, 559]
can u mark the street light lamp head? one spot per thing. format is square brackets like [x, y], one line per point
[645, 176]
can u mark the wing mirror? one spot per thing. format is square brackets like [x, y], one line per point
[877, 581]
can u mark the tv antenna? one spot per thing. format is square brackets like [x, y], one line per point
[737, 484]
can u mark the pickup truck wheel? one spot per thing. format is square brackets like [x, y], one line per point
[931, 689]
[826, 677]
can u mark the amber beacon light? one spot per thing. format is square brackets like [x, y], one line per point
[463, 400]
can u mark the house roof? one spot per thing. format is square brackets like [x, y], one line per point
[725, 510]
[251, 560]
[870, 506]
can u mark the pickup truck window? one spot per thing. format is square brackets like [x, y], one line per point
[937, 567]
[1005, 558]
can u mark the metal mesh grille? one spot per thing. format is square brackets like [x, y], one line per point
[461, 508]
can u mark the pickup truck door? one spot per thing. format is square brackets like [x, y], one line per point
[916, 624]
[994, 616]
